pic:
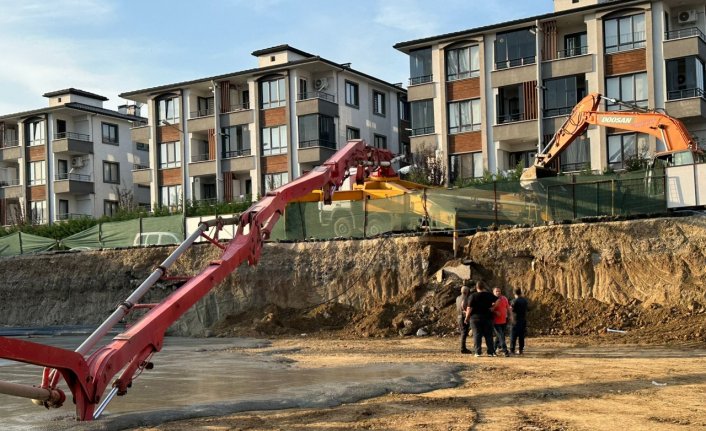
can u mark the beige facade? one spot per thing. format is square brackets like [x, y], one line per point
[236, 136]
[504, 89]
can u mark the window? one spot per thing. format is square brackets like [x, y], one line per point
[624, 146]
[235, 141]
[110, 133]
[352, 133]
[422, 117]
[378, 103]
[317, 131]
[273, 93]
[509, 104]
[562, 94]
[420, 66]
[521, 158]
[627, 88]
[464, 116]
[576, 156]
[404, 110]
[466, 166]
[380, 141]
[111, 172]
[63, 212]
[205, 107]
[34, 132]
[273, 181]
[141, 146]
[352, 94]
[38, 212]
[110, 208]
[575, 44]
[169, 155]
[624, 33]
[274, 140]
[168, 110]
[463, 63]
[170, 196]
[37, 173]
[515, 48]
[685, 78]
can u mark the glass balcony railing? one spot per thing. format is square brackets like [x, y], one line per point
[201, 113]
[685, 32]
[10, 143]
[685, 94]
[72, 177]
[200, 157]
[512, 118]
[317, 95]
[572, 52]
[9, 182]
[317, 143]
[417, 131]
[416, 80]
[239, 107]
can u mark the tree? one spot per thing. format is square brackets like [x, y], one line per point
[126, 199]
[427, 167]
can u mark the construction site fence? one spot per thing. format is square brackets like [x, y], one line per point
[434, 209]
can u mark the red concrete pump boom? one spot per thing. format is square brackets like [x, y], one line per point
[89, 375]
[669, 130]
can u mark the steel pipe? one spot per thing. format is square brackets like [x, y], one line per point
[53, 397]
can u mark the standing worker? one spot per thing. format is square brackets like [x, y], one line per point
[481, 317]
[462, 301]
[500, 320]
[519, 317]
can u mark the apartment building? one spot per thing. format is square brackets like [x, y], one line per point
[70, 159]
[489, 98]
[236, 136]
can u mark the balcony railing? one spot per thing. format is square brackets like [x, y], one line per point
[572, 52]
[625, 42]
[201, 113]
[239, 107]
[317, 95]
[512, 118]
[138, 167]
[515, 62]
[73, 135]
[684, 32]
[200, 157]
[421, 131]
[72, 177]
[10, 143]
[72, 216]
[236, 153]
[464, 128]
[416, 80]
[317, 143]
[555, 112]
[10, 182]
[685, 94]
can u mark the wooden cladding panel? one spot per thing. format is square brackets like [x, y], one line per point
[463, 89]
[37, 193]
[225, 96]
[465, 143]
[275, 164]
[626, 62]
[529, 91]
[170, 177]
[211, 144]
[37, 153]
[550, 46]
[169, 133]
[228, 178]
[274, 117]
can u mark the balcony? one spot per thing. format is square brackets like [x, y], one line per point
[238, 114]
[685, 43]
[515, 127]
[140, 134]
[238, 161]
[317, 95]
[419, 131]
[421, 88]
[514, 75]
[72, 143]
[141, 174]
[78, 184]
[315, 151]
[317, 105]
[686, 103]
[10, 189]
[201, 120]
[10, 150]
[573, 61]
[202, 164]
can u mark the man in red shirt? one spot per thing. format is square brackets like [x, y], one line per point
[500, 320]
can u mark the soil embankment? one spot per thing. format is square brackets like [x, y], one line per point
[645, 276]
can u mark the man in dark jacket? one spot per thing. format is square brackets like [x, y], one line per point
[519, 321]
[481, 307]
[462, 307]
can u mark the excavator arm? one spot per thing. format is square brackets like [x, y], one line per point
[665, 128]
[88, 374]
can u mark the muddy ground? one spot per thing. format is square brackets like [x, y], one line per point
[560, 383]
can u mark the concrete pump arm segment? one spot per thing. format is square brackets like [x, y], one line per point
[89, 375]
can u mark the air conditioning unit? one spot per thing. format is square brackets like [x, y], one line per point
[686, 17]
[77, 162]
[321, 84]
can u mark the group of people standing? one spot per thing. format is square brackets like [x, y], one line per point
[487, 314]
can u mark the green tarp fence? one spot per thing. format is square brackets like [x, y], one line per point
[24, 243]
[138, 232]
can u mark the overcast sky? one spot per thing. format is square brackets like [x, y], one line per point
[113, 46]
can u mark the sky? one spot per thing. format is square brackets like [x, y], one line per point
[110, 47]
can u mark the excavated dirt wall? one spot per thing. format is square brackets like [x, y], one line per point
[581, 277]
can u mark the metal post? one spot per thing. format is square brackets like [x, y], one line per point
[612, 197]
[573, 196]
[141, 238]
[495, 200]
[19, 235]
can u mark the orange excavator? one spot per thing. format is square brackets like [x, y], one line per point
[681, 148]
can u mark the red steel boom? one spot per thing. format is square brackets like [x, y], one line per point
[88, 376]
